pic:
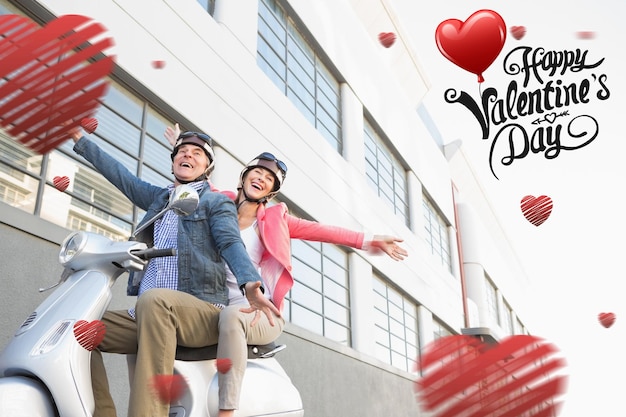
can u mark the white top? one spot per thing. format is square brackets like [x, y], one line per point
[255, 250]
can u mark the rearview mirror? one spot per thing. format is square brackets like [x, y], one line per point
[183, 201]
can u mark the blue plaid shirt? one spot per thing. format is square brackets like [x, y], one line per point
[162, 272]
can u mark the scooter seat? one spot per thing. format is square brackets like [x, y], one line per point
[184, 353]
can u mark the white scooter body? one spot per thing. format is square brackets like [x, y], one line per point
[45, 371]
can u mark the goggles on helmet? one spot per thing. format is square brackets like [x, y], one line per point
[195, 138]
[270, 162]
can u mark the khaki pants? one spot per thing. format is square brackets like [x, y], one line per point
[165, 318]
[235, 333]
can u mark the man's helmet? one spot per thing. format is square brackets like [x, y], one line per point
[271, 163]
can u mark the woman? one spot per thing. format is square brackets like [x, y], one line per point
[266, 232]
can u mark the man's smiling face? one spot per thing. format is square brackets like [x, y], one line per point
[190, 162]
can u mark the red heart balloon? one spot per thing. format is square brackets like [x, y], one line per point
[169, 388]
[536, 209]
[386, 39]
[89, 335]
[61, 183]
[518, 32]
[606, 319]
[461, 377]
[474, 44]
[50, 75]
[90, 124]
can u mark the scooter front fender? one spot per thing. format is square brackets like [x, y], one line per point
[24, 397]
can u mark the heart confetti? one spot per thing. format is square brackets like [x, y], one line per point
[61, 183]
[223, 365]
[50, 75]
[606, 319]
[462, 376]
[536, 209]
[386, 39]
[585, 34]
[89, 334]
[169, 388]
[158, 64]
[518, 32]
[90, 124]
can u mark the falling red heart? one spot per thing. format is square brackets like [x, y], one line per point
[474, 44]
[518, 32]
[462, 376]
[50, 75]
[158, 63]
[536, 209]
[61, 183]
[386, 39]
[169, 388]
[90, 124]
[585, 34]
[606, 319]
[223, 365]
[89, 335]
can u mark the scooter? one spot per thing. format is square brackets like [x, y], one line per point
[45, 368]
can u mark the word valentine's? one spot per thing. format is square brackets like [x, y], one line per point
[537, 116]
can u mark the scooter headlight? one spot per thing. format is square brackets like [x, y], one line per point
[71, 246]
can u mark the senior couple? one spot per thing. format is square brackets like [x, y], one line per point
[228, 281]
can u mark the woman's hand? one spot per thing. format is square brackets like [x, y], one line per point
[172, 133]
[259, 304]
[389, 245]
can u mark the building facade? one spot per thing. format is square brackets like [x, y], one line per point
[310, 82]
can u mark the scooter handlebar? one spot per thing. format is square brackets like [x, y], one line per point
[154, 253]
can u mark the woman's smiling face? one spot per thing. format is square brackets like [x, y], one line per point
[258, 183]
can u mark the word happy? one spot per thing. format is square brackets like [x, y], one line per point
[554, 126]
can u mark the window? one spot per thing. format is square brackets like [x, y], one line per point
[507, 319]
[491, 301]
[385, 173]
[437, 237]
[208, 5]
[319, 300]
[440, 330]
[291, 62]
[395, 320]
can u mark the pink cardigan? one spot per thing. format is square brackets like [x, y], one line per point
[277, 227]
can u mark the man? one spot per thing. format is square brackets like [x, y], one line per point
[179, 298]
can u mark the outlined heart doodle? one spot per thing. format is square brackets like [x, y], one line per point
[49, 76]
[550, 117]
[536, 209]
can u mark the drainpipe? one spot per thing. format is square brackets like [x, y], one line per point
[460, 252]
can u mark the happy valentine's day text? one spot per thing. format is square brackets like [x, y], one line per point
[544, 105]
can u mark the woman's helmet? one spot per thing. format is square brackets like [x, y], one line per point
[271, 163]
[201, 140]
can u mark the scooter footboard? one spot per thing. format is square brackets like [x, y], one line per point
[24, 397]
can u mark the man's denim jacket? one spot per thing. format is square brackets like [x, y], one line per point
[206, 237]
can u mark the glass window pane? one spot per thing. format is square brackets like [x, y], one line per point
[307, 319]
